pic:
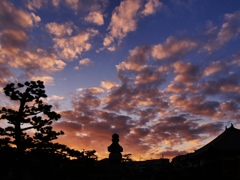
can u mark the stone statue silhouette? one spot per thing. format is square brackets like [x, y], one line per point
[115, 149]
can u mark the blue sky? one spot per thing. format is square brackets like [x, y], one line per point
[162, 74]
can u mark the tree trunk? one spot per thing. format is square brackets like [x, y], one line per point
[18, 140]
[19, 143]
[18, 130]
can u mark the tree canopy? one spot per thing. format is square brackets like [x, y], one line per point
[32, 114]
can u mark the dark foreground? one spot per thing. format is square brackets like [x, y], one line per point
[98, 170]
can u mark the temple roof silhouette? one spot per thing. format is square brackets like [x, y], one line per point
[229, 140]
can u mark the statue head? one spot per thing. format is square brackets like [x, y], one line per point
[115, 138]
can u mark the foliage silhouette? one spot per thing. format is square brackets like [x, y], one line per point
[32, 114]
[127, 157]
[90, 154]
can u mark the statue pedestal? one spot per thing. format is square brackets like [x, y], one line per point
[115, 157]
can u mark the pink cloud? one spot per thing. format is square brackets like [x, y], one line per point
[60, 29]
[125, 17]
[85, 62]
[213, 68]
[173, 48]
[151, 7]
[137, 59]
[195, 104]
[5, 73]
[175, 88]
[218, 37]
[229, 106]
[8, 20]
[123, 20]
[108, 85]
[70, 47]
[15, 42]
[95, 17]
[186, 73]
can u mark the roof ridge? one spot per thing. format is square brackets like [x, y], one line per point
[218, 139]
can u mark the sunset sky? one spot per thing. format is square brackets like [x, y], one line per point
[163, 74]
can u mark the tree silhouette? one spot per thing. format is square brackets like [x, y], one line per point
[57, 150]
[90, 154]
[127, 157]
[32, 114]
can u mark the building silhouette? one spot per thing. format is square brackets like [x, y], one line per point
[221, 155]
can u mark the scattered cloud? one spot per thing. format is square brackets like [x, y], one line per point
[112, 48]
[173, 48]
[15, 42]
[34, 4]
[175, 88]
[187, 73]
[8, 20]
[55, 98]
[213, 68]
[219, 36]
[85, 62]
[79, 89]
[230, 28]
[70, 47]
[95, 90]
[55, 2]
[125, 17]
[48, 80]
[91, 90]
[151, 6]
[137, 60]
[108, 85]
[229, 106]
[5, 74]
[95, 17]
[60, 29]
[72, 4]
[76, 68]
[123, 21]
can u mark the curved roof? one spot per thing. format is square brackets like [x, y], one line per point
[229, 140]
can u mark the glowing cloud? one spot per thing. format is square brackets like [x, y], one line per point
[85, 62]
[95, 17]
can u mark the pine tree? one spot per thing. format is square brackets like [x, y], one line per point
[32, 114]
